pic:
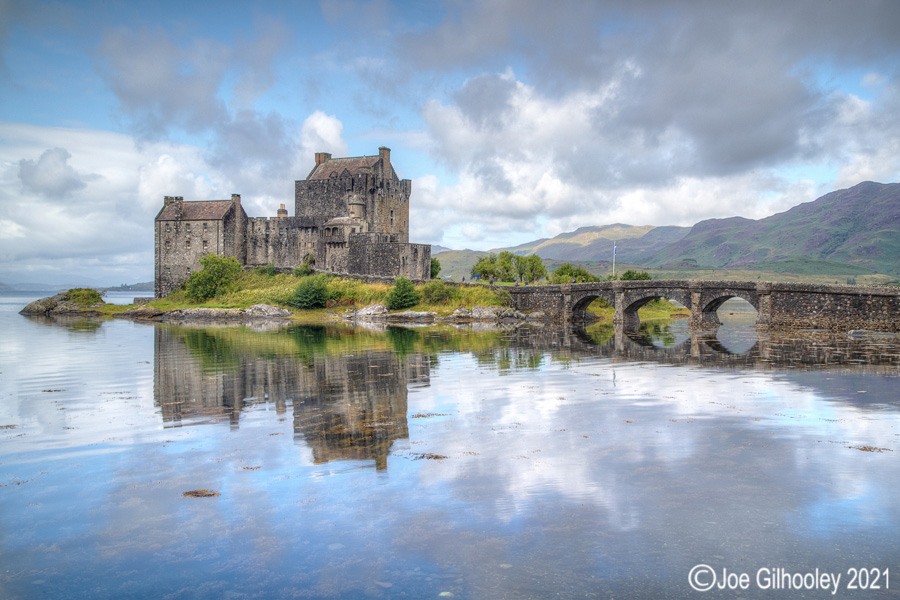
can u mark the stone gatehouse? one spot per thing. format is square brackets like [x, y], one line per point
[351, 216]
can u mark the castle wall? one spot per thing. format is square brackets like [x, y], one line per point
[179, 246]
[392, 259]
[284, 243]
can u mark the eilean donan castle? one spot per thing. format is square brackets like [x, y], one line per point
[351, 216]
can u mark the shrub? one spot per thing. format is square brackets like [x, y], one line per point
[303, 270]
[435, 267]
[84, 296]
[632, 275]
[218, 274]
[403, 294]
[311, 292]
[435, 292]
[269, 270]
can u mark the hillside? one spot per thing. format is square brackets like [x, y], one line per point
[596, 242]
[856, 230]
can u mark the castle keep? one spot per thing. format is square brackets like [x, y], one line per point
[351, 216]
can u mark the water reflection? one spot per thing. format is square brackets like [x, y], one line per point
[346, 390]
[563, 463]
[344, 406]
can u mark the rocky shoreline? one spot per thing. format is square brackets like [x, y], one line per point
[59, 305]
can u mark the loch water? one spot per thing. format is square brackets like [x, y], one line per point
[206, 461]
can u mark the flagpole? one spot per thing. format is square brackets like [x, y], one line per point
[614, 259]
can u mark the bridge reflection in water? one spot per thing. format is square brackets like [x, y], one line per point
[345, 390]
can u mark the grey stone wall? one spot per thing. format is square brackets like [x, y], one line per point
[779, 305]
[179, 246]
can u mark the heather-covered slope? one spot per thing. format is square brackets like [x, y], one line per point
[859, 226]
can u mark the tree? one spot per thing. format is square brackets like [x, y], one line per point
[435, 267]
[632, 275]
[402, 295]
[218, 274]
[566, 272]
[530, 268]
[311, 292]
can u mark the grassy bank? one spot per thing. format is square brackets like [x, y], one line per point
[277, 290]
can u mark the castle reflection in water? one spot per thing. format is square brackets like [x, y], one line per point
[344, 407]
[346, 389]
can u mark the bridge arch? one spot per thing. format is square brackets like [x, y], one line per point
[580, 302]
[632, 299]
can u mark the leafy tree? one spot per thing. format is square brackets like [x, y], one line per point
[498, 266]
[566, 272]
[530, 268]
[218, 274]
[632, 275]
[486, 267]
[311, 292]
[435, 267]
[402, 295]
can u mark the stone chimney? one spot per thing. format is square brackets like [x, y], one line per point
[179, 206]
[282, 212]
[321, 157]
[384, 154]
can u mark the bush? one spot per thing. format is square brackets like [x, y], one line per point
[632, 275]
[84, 296]
[403, 295]
[269, 270]
[303, 270]
[435, 267]
[311, 292]
[435, 292]
[218, 274]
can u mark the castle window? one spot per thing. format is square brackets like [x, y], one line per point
[205, 244]
[187, 243]
[392, 219]
[204, 227]
[168, 245]
[187, 227]
[168, 228]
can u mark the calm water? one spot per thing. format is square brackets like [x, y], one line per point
[420, 463]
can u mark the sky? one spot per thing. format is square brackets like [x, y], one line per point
[515, 119]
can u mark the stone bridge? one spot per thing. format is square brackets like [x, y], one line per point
[778, 305]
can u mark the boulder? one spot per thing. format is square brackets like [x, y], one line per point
[372, 310]
[267, 311]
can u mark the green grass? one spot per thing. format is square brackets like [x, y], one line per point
[255, 288]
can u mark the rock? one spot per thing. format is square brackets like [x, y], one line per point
[42, 306]
[60, 305]
[372, 310]
[266, 310]
[411, 315]
[141, 312]
[535, 316]
[486, 312]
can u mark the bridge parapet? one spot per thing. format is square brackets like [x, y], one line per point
[779, 305]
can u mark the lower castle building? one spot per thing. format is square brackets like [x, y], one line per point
[351, 216]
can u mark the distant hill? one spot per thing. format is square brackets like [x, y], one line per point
[4, 287]
[457, 264]
[856, 230]
[596, 242]
[435, 249]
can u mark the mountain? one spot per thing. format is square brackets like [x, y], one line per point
[585, 243]
[857, 227]
[4, 287]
